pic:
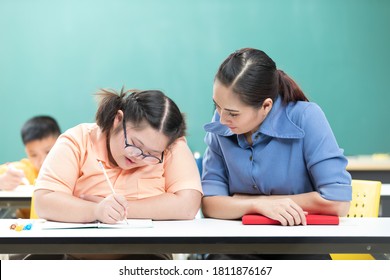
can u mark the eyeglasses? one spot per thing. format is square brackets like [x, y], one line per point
[134, 151]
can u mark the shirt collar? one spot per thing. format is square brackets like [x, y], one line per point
[277, 124]
[99, 144]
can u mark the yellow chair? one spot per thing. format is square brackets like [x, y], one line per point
[33, 214]
[364, 204]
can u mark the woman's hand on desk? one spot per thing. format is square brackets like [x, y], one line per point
[284, 210]
[109, 210]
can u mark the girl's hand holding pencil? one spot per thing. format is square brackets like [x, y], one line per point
[112, 208]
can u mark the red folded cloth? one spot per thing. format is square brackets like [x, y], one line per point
[253, 219]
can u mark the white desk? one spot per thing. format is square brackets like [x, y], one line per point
[368, 162]
[385, 190]
[21, 198]
[18, 198]
[353, 235]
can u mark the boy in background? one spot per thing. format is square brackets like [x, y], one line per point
[38, 135]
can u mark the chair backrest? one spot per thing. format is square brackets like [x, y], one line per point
[33, 214]
[365, 199]
[365, 203]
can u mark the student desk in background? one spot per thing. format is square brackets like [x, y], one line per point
[384, 210]
[370, 167]
[353, 235]
[12, 200]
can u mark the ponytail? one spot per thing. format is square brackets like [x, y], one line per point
[150, 107]
[109, 104]
[289, 89]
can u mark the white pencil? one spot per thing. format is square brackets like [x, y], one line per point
[108, 181]
[24, 179]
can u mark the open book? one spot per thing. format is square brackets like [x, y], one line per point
[132, 223]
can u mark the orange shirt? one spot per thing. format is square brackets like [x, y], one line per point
[72, 167]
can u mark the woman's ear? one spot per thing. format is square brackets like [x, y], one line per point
[267, 106]
[118, 118]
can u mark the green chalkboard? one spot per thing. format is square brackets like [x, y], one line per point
[55, 54]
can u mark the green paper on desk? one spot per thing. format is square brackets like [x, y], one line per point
[132, 223]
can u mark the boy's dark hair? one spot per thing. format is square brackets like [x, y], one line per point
[39, 127]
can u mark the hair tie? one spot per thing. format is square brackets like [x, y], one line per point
[241, 52]
[134, 96]
[237, 53]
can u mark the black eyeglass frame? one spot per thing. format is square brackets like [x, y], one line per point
[142, 152]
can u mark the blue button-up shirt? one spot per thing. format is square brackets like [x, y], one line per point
[294, 151]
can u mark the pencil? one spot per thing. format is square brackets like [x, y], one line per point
[108, 181]
[24, 179]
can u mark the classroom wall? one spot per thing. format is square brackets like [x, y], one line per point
[55, 54]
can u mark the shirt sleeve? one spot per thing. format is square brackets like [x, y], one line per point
[61, 167]
[214, 177]
[180, 169]
[324, 159]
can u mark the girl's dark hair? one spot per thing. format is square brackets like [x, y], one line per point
[39, 127]
[253, 76]
[150, 106]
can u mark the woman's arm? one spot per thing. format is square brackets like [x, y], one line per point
[326, 165]
[314, 203]
[288, 209]
[284, 210]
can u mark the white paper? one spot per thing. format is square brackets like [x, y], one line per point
[131, 223]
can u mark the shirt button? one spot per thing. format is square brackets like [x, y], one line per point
[251, 158]
[257, 136]
[254, 186]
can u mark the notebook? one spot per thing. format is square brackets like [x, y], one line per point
[131, 223]
[311, 219]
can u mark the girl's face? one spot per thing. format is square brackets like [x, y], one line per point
[150, 143]
[237, 116]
